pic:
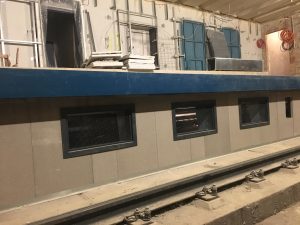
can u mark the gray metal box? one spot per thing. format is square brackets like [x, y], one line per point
[232, 64]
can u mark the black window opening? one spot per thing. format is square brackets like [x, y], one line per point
[254, 112]
[92, 130]
[288, 107]
[194, 119]
[63, 45]
[153, 46]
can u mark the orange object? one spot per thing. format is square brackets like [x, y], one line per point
[287, 36]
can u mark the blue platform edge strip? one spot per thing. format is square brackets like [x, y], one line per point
[32, 83]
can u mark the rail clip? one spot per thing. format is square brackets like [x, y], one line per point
[144, 215]
[208, 193]
[290, 164]
[256, 176]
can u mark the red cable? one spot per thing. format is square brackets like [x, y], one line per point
[287, 36]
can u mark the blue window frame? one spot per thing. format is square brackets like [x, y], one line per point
[232, 37]
[193, 45]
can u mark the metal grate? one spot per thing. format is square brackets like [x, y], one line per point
[99, 129]
[194, 119]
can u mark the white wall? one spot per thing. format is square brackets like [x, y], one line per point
[16, 25]
[104, 22]
[106, 31]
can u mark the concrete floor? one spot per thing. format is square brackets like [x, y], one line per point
[290, 216]
[245, 204]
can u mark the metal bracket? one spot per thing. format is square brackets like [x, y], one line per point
[177, 20]
[177, 37]
[208, 193]
[256, 176]
[144, 215]
[290, 164]
[179, 56]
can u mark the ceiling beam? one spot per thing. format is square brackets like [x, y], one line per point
[277, 14]
[213, 5]
[237, 8]
[267, 8]
[253, 10]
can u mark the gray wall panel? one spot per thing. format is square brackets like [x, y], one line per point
[16, 163]
[30, 136]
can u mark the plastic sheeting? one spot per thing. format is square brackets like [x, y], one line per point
[67, 6]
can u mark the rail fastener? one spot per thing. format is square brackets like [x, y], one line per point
[290, 164]
[144, 215]
[208, 193]
[255, 176]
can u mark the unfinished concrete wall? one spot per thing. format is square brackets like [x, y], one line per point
[107, 38]
[31, 156]
[106, 16]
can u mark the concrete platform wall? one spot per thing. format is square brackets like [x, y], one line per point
[31, 158]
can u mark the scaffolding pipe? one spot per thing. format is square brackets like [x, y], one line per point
[175, 41]
[19, 42]
[36, 58]
[40, 37]
[119, 32]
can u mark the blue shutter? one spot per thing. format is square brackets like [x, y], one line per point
[233, 41]
[194, 45]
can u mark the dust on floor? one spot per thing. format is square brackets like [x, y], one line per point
[289, 216]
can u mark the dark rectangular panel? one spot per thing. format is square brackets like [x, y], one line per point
[288, 107]
[217, 44]
[254, 112]
[193, 119]
[231, 64]
[92, 130]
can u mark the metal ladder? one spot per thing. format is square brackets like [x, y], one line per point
[36, 43]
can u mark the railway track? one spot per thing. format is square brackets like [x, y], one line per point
[160, 199]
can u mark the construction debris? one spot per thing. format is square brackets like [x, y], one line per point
[104, 60]
[7, 62]
[138, 62]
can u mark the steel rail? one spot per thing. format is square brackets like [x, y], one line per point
[127, 203]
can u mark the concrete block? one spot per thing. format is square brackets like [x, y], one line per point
[285, 125]
[105, 168]
[198, 148]
[53, 173]
[16, 161]
[144, 157]
[219, 143]
[170, 152]
[210, 205]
